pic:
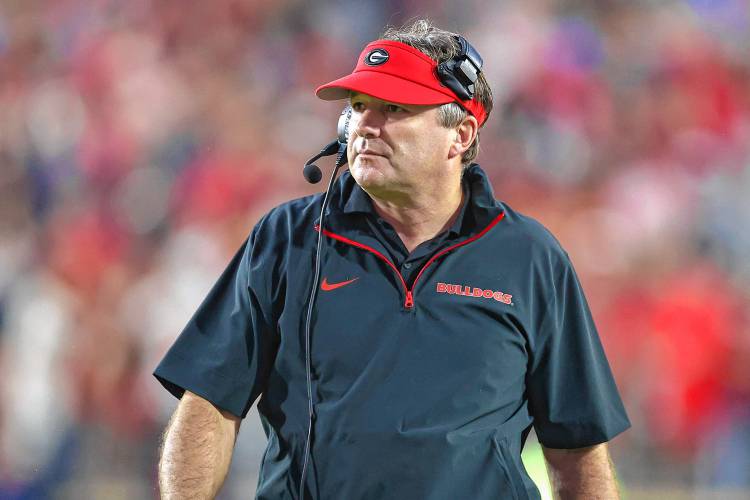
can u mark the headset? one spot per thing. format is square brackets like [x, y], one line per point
[312, 172]
[459, 74]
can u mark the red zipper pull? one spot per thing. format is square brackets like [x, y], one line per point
[409, 300]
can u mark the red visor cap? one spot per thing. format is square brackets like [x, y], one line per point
[405, 76]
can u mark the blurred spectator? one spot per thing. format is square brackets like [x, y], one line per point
[140, 142]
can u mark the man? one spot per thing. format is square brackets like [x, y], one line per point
[445, 326]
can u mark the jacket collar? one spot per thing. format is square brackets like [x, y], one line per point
[478, 211]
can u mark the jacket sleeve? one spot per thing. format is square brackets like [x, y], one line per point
[572, 393]
[226, 350]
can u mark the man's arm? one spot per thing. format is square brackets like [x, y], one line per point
[582, 473]
[197, 449]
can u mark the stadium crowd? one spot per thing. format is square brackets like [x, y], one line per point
[140, 141]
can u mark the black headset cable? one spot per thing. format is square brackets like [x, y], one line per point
[340, 159]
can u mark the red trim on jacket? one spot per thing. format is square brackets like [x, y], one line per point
[461, 243]
[409, 302]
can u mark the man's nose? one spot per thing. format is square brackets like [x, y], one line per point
[368, 123]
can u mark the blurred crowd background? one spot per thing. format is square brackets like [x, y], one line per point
[140, 141]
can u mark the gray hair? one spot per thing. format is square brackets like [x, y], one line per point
[440, 46]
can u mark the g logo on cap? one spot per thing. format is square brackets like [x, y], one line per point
[376, 57]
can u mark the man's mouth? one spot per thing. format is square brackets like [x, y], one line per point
[369, 152]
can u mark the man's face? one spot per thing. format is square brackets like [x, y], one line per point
[397, 150]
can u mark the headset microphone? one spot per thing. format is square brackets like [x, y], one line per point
[311, 171]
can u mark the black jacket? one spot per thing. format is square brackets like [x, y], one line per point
[425, 386]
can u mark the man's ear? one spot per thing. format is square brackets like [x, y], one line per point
[466, 132]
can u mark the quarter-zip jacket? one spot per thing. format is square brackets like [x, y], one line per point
[422, 390]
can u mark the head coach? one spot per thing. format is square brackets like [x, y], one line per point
[444, 326]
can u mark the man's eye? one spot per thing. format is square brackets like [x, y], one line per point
[392, 108]
[357, 106]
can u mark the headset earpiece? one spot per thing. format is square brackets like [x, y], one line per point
[343, 125]
[460, 73]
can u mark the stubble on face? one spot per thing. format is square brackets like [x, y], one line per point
[371, 165]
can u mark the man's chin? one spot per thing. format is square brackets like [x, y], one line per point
[367, 173]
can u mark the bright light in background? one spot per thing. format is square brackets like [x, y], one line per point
[533, 460]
